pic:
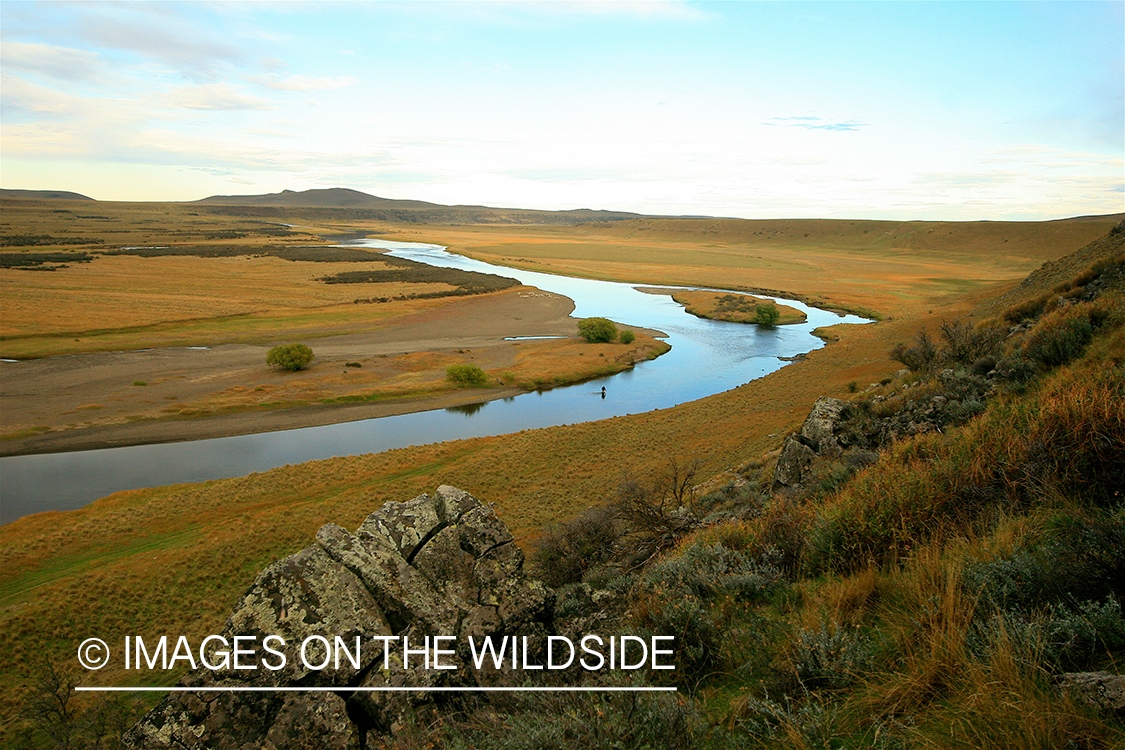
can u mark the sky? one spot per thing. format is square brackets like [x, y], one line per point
[878, 110]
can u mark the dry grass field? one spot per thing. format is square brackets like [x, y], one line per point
[174, 559]
[883, 268]
[111, 281]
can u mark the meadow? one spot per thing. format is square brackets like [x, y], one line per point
[130, 277]
[174, 559]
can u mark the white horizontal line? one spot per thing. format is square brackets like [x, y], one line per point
[256, 689]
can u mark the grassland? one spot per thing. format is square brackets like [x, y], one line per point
[211, 294]
[881, 268]
[174, 559]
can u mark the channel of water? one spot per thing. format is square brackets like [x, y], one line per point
[707, 357]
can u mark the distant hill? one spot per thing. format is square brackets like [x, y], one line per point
[363, 206]
[44, 195]
[319, 198]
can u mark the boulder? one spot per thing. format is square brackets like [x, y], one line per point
[816, 439]
[438, 565]
[1102, 690]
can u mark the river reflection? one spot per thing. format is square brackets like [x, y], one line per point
[707, 357]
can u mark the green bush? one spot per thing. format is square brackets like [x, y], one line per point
[1078, 558]
[1060, 337]
[466, 375]
[597, 330]
[627, 337]
[832, 655]
[697, 595]
[766, 314]
[1065, 637]
[289, 357]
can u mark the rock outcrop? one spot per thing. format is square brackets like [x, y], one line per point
[816, 439]
[849, 433]
[438, 565]
[1103, 690]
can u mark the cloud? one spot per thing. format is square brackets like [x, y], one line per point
[57, 62]
[160, 34]
[302, 82]
[816, 123]
[213, 97]
[24, 100]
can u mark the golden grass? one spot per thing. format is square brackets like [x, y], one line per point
[127, 302]
[891, 268]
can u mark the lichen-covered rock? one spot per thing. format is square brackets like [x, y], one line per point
[791, 464]
[1104, 690]
[816, 439]
[820, 425]
[438, 565]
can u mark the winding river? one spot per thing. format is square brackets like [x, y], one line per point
[707, 357]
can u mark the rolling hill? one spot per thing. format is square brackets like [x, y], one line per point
[370, 207]
[64, 195]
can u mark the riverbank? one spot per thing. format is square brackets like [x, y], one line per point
[112, 399]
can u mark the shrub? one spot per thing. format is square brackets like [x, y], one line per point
[1078, 558]
[597, 330]
[789, 724]
[697, 594]
[552, 721]
[567, 551]
[466, 375]
[831, 656]
[966, 344]
[627, 337]
[1061, 336]
[1025, 310]
[657, 513]
[766, 314]
[1064, 637]
[918, 358]
[289, 357]
[1069, 440]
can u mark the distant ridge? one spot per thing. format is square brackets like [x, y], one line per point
[369, 207]
[62, 195]
[316, 198]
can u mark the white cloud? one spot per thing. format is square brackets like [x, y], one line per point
[302, 82]
[213, 96]
[160, 35]
[57, 62]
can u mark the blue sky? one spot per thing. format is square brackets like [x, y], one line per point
[900, 110]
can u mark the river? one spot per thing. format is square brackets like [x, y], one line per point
[707, 357]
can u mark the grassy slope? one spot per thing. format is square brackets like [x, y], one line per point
[174, 559]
